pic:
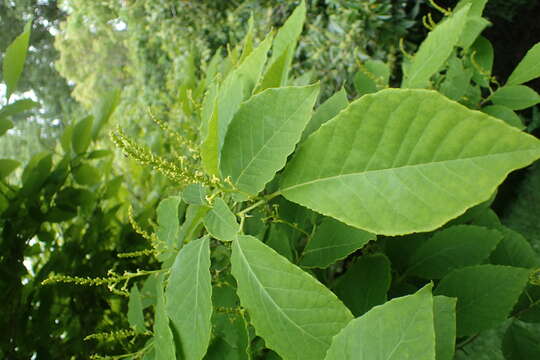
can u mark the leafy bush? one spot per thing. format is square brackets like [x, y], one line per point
[359, 230]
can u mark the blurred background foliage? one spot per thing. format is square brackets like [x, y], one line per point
[121, 61]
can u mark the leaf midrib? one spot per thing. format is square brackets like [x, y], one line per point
[277, 307]
[329, 178]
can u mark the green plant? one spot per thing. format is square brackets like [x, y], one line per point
[362, 230]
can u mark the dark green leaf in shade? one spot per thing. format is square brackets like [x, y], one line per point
[278, 239]
[365, 283]
[514, 250]
[452, 248]
[333, 241]
[485, 293]
[401, 328]
[295, 314]
[520, 341]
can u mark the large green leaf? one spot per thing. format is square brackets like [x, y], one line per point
[188, 295]
[283, 49]
[435, 49]
[452, 248]
[504, 113]
[263, 133]
[295, 314]
[326, 111]
[221, 222]
[333, 241]
[486, 294]
[13, 62]
[365, 283]
[224, 102]
[528, 68]
[399, 329]
[163, 336]
[104, 110]
[444, 320]
[402, 161]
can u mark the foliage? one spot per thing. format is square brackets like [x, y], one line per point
[261, 252]
[60, 215]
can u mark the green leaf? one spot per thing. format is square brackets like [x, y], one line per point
[372, 76]
[5, 125]
[188, 294]
[329, 109]
[283, 50]
[14, 58]
[195, 194]
[528, 68]
[444, 320]
[295, 314]
[263, 133]
[505, 114]
[17, 107]
[221, 222]
[457, 79]
[514, 250]
[453, 248]
[163, 336]
[333, 241]
[223, 104]
[7, 166]
[474, 27]
[403, 161]
[36, 173]
[104, 110]
[82, 135]
[87, 174]
[399, 329]
[231, 337]
[365, 283]
[486, 294]
[168, 221]
[278, 239]
[98, 154]
[523, 212]
[477, 6]
[435, 49]
[520, 341]
[515, 97]
[135, 311]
